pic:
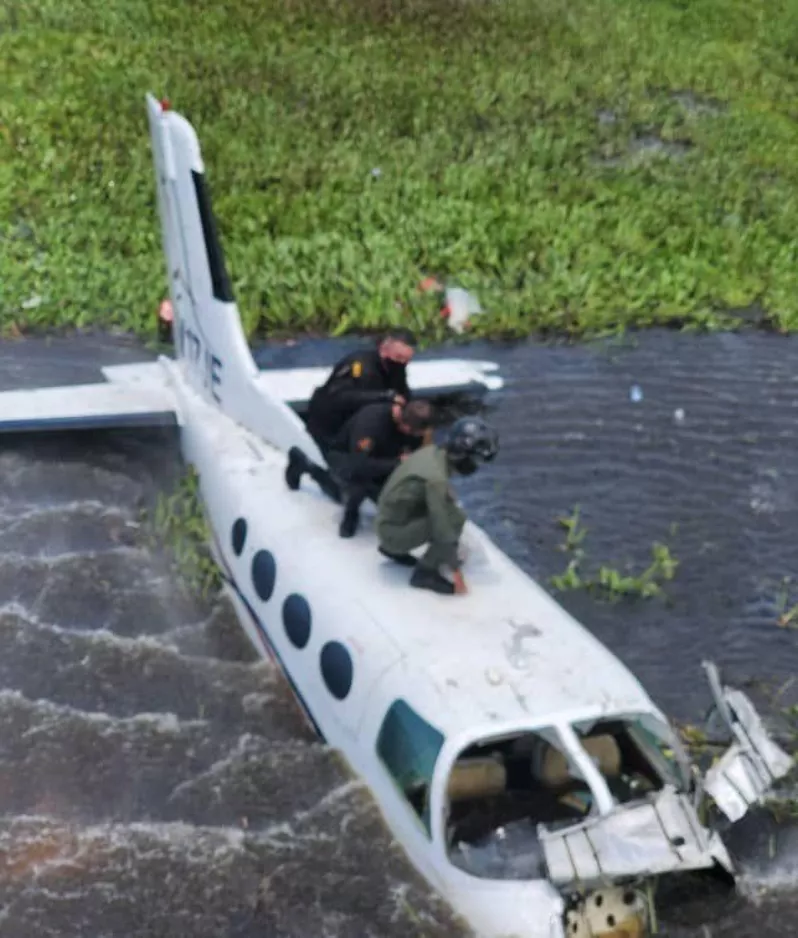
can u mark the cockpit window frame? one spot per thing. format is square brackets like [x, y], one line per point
[555, 732]
[657, 735]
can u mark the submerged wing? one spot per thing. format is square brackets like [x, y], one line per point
[136, 396]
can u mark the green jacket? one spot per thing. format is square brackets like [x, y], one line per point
[419, 488]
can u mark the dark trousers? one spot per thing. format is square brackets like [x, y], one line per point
[401, 539]
[325, 479]
[360, 477]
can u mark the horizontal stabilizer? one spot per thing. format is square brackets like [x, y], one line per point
[139, 395]
[86, 407]
[431, 378]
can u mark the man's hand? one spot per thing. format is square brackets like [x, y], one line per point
[398, 399]
[403, 456]
[459, 583]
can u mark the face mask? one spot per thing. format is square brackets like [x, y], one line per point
[392, 367]
[398, 353]
[466, 466]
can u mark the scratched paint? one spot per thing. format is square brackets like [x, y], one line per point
[519, 655]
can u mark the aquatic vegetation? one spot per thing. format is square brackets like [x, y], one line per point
[582, 166]
[179, 525]
[576, 533]
[693, 738]
[783, 803]
[786, 606]
[607, 579]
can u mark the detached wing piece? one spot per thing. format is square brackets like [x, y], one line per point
[133, 396]
[751, 766]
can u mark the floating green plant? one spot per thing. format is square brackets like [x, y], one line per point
[608, 579]
[583, 166]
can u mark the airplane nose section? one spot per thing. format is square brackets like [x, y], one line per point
[612, 912]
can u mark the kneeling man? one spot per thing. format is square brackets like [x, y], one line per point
[417, 505]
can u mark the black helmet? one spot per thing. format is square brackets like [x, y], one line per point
[471, 439]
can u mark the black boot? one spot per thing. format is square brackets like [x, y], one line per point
[406, 560]
[296, 468]
[350, 521]
[325, 481]
[426, 579]
[299, 464]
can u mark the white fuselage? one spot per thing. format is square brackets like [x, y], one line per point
[282, 557]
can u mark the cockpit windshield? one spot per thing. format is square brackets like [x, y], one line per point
[498, 791]
[635, 755]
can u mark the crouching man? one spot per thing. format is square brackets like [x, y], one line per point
[363, 454]
[370, 446]
[373, 376]
[417, 506]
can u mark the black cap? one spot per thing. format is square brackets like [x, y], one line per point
[401, 335]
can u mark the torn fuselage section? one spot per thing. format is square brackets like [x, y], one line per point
[600, 807]
[659, 834]
[512, 799]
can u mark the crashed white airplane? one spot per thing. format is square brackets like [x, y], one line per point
[524, 770]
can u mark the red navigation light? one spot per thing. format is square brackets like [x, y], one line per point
[428, 284]
[166, 312]
[165, 105]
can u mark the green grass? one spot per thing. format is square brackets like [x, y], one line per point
[178, 523]
[484, 119]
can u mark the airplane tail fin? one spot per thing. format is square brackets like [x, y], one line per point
[209, 339]
[211, 347]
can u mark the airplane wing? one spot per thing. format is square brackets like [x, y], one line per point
[134, 396]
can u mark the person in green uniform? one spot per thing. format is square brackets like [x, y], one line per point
[417, 505]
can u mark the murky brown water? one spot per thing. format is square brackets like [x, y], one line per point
[155, 779]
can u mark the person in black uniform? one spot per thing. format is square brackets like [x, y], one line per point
[364, 453]
[360, 378]
[370, 445]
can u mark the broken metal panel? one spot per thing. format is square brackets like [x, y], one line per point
[749, 768]
[659, 835]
